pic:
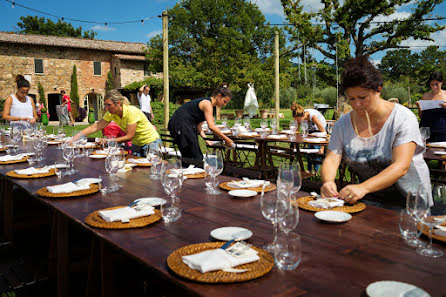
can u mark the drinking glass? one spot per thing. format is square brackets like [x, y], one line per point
[16, 136]
[431, 215]
[288, 251]
[285, 177]
[263, 123]
[425, 134]
[237, 122]
[57, 171]
[68, 155]
[411, 238]
[154, 155]
[273, 125]
[172, 181]
[329, 128]
[293, 126]
[224, 121]
[304, 128]
[247, 122]
[213, 165]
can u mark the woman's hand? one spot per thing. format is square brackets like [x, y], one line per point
[31, 120]
[443, 104]
[229, 143]
[329, 189]
[352, 193]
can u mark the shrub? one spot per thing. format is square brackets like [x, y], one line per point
[82, 114]
[109, 82]
[43, 109]
[287, 96]
[158, 112]
[74, 93]
[327, 95]
[41, 93]
[2, 104]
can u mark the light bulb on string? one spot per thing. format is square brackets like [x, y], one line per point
[142, 22]
[13, 4]
[105, 25]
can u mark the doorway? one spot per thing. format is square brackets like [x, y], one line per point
[54, 100]
[95, 101]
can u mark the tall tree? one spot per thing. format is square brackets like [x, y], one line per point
[74, 93]
[398, 63]
[353, 24]
[43, 26]
[212, 41]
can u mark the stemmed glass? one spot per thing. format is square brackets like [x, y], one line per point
[425, 134]
[224, 121]
[263, 123]
[304, 127]
[213, 165]
[289, 221]
[329, 128]
[247, 122]
[431, 215]
[154, 156]
[293, 128]
[112, 165]
[16, 136]
[172, 181]
[68, 155]
[410, 208]
[273, 125]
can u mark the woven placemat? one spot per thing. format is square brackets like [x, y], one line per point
[302, 202]
[13, 174]
[15, 161]
[2, 149]
[425, 231]
[268, 188]
[95, 220]
[256, 269]
[197, 175]
[44, 192]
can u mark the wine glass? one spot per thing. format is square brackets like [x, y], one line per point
[273, 125]
[224, 121]
[413, 241]
[172, 181]
[425, 134]
[68, 155]
[263, 123]
[247, 122]
[304, 128]
[213, 165]
[285, 177]
[431, 213]
[16, 136]
[293, 126]
[154, 156]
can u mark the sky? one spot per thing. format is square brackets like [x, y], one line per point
[109, 11]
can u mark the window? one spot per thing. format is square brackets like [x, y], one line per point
[97, 68]
[146, 70]
[38, 66]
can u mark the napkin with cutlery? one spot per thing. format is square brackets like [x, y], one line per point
[191, 170]
[32, 170]
[8, 158]
[138, 161]
[219, 259]
[247, 183]
[125, 214]
[67, 188]
[326, 203]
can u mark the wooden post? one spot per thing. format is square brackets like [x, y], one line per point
[276, 73]
[166, 68]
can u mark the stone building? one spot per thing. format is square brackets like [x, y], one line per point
[50, 59]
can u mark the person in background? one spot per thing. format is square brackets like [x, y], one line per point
[19, 108]
[316, 123]
[435, 118]
[185, 123]
[144, 101]
[66, 101]
[130, 119]
[113, 130]
[379, 140]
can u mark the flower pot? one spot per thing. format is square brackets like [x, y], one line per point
[239, 113]
[264, 114]
[91, 117]
[44, 118]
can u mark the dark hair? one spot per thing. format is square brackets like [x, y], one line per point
[297, 110]
[360, 72]
[62, 92]
[21, 82]
[223, 90]
[436, 75]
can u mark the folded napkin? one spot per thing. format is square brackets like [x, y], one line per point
[8, 158]
[277, 136]
[316, 139]
[88, 181]
[125, 214]
[440, 153]
[67, 188]
[262, 130]
[241, 129]
[438, 144]
[89, 144]
[309, 151]
[127, 167]
[225, 130]
[246, 183]
[32, 170]
[440, 230]
[138, 161]
[249, 134]
[326, 203]
[191, 170]
[319, 134]
[218, 259]
[288, 132]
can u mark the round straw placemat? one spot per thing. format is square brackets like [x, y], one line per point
[95, 220]
[268, 188]
[3, 148]
[44, 192]
[256, 269]
[425, 230]
[15, 161]
[13, 174]
[302, 202]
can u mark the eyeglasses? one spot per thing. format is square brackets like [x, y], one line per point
[108, 105]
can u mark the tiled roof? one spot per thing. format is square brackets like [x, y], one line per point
[130, 57]
[72, 42]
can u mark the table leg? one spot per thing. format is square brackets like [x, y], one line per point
[58, 266]
[100, 270]
[6, 211]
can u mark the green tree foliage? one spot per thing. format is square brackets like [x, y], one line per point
[352, 24]
[156, 86]
[214, 41]
[41, 93]
[74, 93]
[40, 25]
[109, 83]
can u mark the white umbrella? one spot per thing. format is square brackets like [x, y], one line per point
[251, 105]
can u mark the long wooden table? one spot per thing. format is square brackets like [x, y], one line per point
[337, 259]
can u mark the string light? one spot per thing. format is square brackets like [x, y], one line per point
[142, 22]
[105, 25]
[13, 4]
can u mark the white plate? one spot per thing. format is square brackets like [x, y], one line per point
[242, 193]
[333, 216]
[393, 288]
[98, 156]
[227, 233]
[152, 201]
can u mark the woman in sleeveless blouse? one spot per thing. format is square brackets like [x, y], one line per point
[19, 108]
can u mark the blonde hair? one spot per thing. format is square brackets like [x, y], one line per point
[297, 110]
[115, 96]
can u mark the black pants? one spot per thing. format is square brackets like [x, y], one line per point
[185, 137]
[148, 116]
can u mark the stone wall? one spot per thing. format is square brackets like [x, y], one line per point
[131, 71]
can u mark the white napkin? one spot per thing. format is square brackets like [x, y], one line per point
[278, 136]
[32, 170]
[88, 181]
[101, 152]
[127, 167]
[249, 134]
[440, 230]
[262, 130]
[319, 134]
[315, 140]
[309, 151]
[439, 144]
[242, 130]
[326, 203]
[8, 158]
[439, 153]
[246, 183]
[67, 188]
[191, 170]
[125, 214]
[138, 161]
[218, 259]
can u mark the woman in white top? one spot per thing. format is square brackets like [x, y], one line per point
[379, 140]
[19, 108]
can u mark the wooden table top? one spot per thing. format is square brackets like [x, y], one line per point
[337, 259]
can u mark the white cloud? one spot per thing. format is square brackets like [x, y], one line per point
[269, 6]
[102, 28]
[394, 16]
[375, 62]
[312, 5]
[154, 33]
[439, 37]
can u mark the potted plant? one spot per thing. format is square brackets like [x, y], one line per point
[44, 116]
[91, 117]
[263, 109]
[239, 113]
